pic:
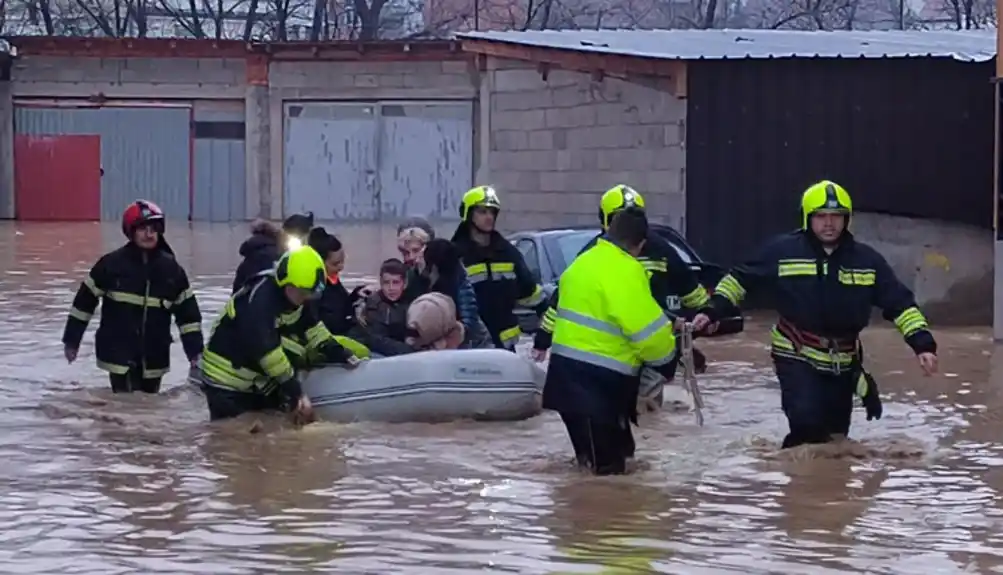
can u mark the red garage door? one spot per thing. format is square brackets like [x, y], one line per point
[57, 177]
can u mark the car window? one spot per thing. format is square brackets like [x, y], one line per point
[570, 244]
[529, 253]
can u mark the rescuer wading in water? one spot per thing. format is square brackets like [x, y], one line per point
[263, 334]
[139, 286]
[606, 328]
[824, 283]
[674, 284]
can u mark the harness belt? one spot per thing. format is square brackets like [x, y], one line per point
[801, 338]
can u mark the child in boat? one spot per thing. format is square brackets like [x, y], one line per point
[431, 323]
[385, 312]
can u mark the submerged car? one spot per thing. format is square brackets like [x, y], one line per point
[549, 252]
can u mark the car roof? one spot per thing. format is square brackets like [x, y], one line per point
[595, 229]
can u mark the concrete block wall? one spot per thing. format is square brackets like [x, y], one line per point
[948, 266]
[68, 77]
[555, 144]
[379, 80]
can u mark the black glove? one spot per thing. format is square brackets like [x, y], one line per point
[334, 353]
[867, 389]
[290, 392]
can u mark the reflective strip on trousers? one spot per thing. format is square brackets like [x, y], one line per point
[594, 359]
[118, 369]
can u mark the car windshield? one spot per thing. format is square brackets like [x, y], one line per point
[572, 243]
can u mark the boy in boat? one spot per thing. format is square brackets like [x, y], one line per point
[385, 312]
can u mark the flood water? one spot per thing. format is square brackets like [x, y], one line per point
[135, 484]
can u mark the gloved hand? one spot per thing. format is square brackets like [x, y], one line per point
[867, 389]
[291, 392]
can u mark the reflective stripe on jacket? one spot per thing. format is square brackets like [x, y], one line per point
[139, 291]
[501, 281]
[829, 295]
[259, 336]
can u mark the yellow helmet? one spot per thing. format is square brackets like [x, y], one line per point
[302, 268]
[825, 196]
[479, 196]
[618, 198]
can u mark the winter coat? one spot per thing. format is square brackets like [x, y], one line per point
[260, 252]
[385, 326]
[462, 293]
[431, 319]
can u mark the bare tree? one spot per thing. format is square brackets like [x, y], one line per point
[969, 14]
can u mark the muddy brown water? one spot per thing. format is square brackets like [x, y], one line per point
[133, 484]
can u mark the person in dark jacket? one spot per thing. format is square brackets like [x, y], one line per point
[266, 244]
[263, 334]
[385, 312]
[336, 305]
[824, 284]
[445, 274]
[495, 267]
[139, 286]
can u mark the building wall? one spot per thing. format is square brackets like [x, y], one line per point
[949, 266]
[553, 146]
[145, 152]
[261, 88]
[761, 131]
[127, 78]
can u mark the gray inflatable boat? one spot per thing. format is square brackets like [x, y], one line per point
[429, 386]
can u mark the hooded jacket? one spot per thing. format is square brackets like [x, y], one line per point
[260, 252]
[458, 288]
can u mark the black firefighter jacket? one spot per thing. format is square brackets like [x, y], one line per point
[824, 295]
[501, 281]
[139, 291]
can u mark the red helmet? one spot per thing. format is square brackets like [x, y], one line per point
[139, 213]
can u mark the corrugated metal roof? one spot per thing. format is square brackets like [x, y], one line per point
[966, 45]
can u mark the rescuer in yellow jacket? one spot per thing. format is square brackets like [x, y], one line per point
[263, 334]
[607, 327]
[824, 283]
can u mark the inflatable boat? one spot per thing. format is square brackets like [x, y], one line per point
[429, 386]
